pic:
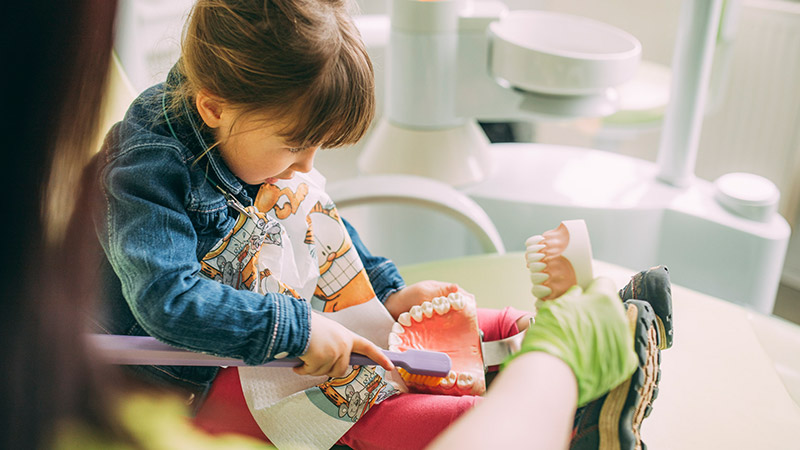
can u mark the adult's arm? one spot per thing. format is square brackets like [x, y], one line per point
[531, 404]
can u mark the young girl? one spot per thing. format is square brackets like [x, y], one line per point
[219, 236]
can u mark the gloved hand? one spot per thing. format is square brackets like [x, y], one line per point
[590, 333]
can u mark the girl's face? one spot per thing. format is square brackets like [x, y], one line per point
[256, 153]
[251, 144]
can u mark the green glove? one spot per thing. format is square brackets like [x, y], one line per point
[590, 333]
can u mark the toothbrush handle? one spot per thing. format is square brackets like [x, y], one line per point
[420, 362]
[146, 350]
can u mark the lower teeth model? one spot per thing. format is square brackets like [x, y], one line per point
[446, 324]
[559, 259]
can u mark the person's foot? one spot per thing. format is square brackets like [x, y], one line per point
[653, 286]
[614, 420]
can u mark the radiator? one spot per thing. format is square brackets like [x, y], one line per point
[755, 127]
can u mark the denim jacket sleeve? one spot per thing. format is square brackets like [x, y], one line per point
[152, 244]
[382, 272]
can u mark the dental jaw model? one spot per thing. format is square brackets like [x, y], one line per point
[446, 324]
[559, 259]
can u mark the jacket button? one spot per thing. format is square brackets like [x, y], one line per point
[281, 355]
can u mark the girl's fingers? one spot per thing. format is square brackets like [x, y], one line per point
[444, 289]
[300, 370]
[305, 369]
[312, 367]
[373, 352]
[339, 368]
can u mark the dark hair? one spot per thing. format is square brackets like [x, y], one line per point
[298, 59]
[55, 63]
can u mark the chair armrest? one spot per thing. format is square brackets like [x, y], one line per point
[422, 192]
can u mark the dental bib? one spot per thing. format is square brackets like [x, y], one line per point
[292, 241]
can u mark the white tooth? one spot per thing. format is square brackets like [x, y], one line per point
[533, 240]
[453, 295]
[537, 266]
[533, 248]
[441, 305]
[394, 339]
[416, 313]
[449, 380]
[533, 257]
[397, 328]
[457, 303]
[539, 277]
[540, 291]
[404, 319]
[427, 309]
[465, 380]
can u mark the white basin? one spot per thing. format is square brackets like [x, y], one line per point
[561, 54]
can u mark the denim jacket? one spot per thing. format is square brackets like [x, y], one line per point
[160, 215]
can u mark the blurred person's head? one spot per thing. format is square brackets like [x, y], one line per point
[55, 61]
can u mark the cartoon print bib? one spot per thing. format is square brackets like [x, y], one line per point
[292, 241]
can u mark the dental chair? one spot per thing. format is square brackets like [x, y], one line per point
[371, 202]
[120, 93]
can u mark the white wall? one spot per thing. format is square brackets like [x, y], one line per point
[791, 268]
[148, 38]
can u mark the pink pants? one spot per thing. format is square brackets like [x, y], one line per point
[405, 421]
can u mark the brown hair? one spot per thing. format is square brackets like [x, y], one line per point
[299, 59]
[59, 61]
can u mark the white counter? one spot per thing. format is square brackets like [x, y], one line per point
[720, 385]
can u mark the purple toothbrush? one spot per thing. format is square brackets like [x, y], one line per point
[146, 350]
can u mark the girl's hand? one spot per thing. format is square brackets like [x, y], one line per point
[330, 347]
[402, 300]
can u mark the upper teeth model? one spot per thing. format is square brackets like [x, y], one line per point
[446, 324]
[559, 259]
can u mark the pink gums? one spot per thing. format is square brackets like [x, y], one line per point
[455, 333]
[562, 274]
